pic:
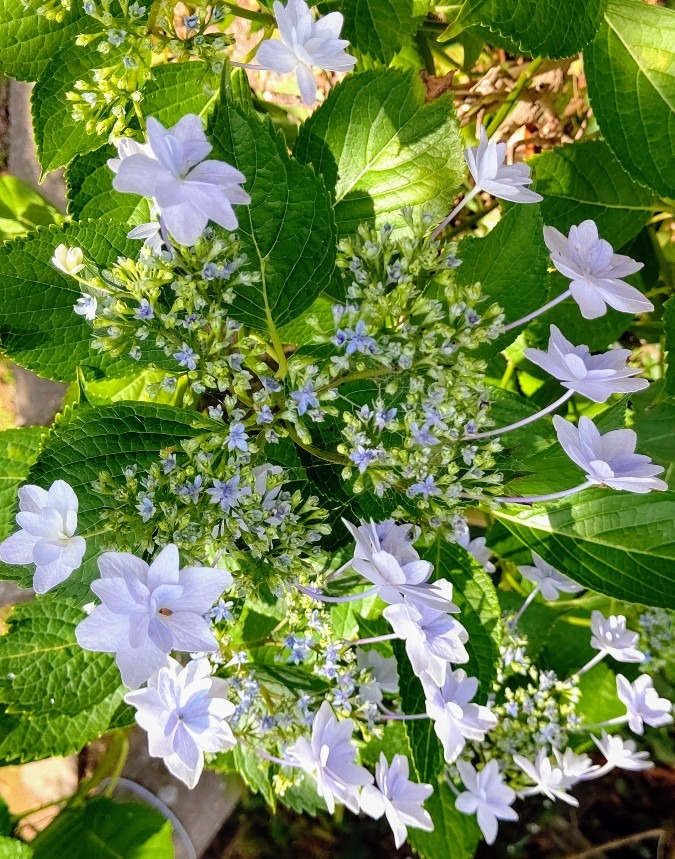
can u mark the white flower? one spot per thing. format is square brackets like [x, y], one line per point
[621, 753]
[187, 191]
[383, 673]
[398, 798]
[305, 43]
[643, 703]
[455, 718]
[387, 536]
[551, 582]
[594, 376]
[68, 260]
[396, 582]
[491, 174]
[432, 638]
[549, 780]
[86, 306]
[48, 522]
[384, 555]
[609, 635]
[575, 768]
[595, 271]
[148, 611]
[609, 459]
[151, 235]
[183, 711]
[477, 549]
[330, 758]
[486, 796]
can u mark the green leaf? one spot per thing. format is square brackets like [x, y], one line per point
[381, 148]
[33, 738]
[630, 70]
[18, 450]
[455, 835]
[585, 181]
[288, 229]
[175, 89]
[29, 40]
[22, 208]
[10, 848]
[653, 421]
[293, 678]
[611, 542]
[379, 28]
[459, 20]
[480, 612]
[44, 671]
[38, 327]
[59, 137]
[547, 28]
[104, 829]
[669, 326]
[426, 754]
[5, 818]
[91, 194]
[598, 695]
[250, 766]
[106, 438]
[511, 263]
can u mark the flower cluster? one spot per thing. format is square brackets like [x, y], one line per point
[230, 617]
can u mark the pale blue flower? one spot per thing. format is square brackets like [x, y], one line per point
[186, 357]
[237, 438]
[184, 711]
[149, 610]
[305, 397]
[227, 493]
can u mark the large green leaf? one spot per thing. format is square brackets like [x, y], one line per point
[669, 325]
[22, 208]
[630, 70]
[176, 89]
[18, 450]
[511, 263]
[379, 28]
[615, 543]
[548, 27]
[59, 137]
[43, 670]
[381, 147]
[107, 438]
[33, 738]
[586, 181]
[455, 835]
[28, 40]
[91, 194]
[426, 753]
[110, 438]
[104, 829]
[288, 230]
[480, 612]
[10, 848]
[38, 328]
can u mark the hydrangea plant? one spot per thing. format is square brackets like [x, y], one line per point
[316, 510]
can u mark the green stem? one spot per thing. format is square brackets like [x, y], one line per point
[315, 451]
[524, 79]
[95, 533]
[354, 377]
[122, 748]
[249, 14]
[469, 222]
